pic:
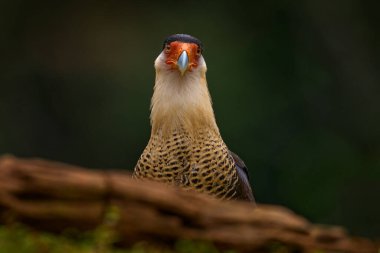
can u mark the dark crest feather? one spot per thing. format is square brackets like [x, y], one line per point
[183, 38]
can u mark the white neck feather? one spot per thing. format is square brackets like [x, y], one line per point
[181, 102]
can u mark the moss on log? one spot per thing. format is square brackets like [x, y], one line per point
[54, 196]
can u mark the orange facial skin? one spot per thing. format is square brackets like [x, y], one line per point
[174, 50]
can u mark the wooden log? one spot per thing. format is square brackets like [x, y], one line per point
[54, 196]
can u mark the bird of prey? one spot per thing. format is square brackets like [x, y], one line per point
[185, 146]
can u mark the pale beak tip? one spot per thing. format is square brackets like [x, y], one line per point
[183, 62]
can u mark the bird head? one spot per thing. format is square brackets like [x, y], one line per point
[181, 97]
[181, 53]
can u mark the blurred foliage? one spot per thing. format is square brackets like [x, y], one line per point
[295, 86]
[18, 238]
[21, 239]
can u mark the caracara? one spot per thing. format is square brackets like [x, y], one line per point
[185, 146]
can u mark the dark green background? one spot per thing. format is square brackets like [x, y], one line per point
[295, 86]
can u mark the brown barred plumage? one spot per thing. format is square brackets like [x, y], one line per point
[185, 148]
[201, 162]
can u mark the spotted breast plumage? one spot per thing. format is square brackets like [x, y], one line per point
[185, 146]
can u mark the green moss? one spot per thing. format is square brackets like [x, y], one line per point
[21, 239]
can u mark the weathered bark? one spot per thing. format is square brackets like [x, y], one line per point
[54, 196]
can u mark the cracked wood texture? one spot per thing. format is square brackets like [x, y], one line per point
[53, 196]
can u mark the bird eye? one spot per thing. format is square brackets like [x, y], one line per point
[167, 47]
[199, 51]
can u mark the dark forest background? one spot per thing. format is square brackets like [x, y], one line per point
[295, 87]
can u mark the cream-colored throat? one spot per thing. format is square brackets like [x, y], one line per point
[181, 102]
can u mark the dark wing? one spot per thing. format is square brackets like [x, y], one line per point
[244, 188]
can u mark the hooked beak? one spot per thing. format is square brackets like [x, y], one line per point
[183, 62]
[182, 56]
